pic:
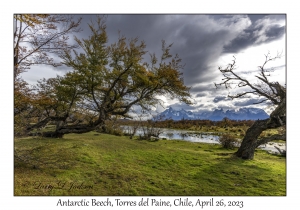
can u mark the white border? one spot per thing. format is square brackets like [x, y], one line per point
[154, 6]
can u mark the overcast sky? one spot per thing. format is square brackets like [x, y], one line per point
[204, 42]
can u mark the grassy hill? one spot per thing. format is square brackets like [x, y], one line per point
[107, 165]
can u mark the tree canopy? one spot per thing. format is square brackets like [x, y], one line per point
[38, 40]
[106, 81]
[39, 37]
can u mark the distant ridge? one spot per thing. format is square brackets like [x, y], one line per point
[216, 115]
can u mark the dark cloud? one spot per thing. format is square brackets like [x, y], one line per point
[247, 102]
[196, 38]
[243, 41]
[179, 106]
[275, 32]
[225, 107]
[248, 38]
[199, 40]
[255, 17]
[221, 98]
[200, 88]
[199, 95]
[264, 29]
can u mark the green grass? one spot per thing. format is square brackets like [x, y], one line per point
[100, 164]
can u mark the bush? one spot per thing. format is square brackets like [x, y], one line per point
[112, 128]
[228, 141]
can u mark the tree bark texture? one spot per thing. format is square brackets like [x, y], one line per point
[251, 141]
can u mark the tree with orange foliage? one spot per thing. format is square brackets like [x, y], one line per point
[107, 81]
[37, 38]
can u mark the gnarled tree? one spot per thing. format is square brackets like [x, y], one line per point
[38, 38]
[268, 91]
[108, 80]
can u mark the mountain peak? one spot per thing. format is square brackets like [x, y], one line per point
[216, 115]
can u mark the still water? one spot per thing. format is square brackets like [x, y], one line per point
[173, 134]
[204, 137]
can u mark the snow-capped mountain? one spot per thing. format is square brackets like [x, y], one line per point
[247, 114]
[216, 115]
[176, 115]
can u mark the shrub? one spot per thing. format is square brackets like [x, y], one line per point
[113, 128]
[228, 141]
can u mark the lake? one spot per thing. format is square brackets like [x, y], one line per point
[203, 137]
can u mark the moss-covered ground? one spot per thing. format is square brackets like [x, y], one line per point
[106, 165]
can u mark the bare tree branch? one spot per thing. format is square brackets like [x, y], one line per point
[271, 138]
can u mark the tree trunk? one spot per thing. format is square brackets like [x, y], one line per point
[52, 134]
[249, 143]
[59, 133]
[63, 128]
